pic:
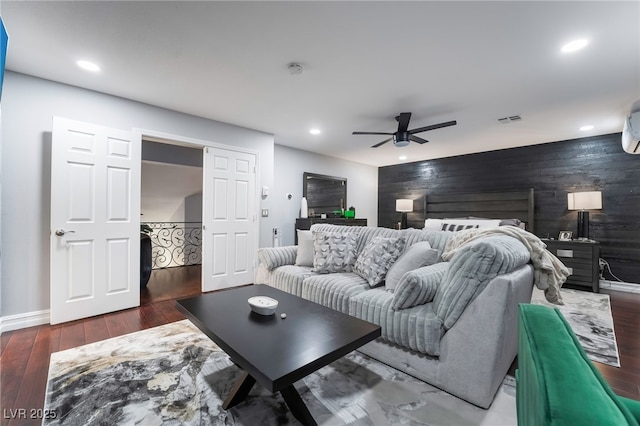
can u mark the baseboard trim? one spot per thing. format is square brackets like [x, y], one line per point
[620, 286]
[29, 319]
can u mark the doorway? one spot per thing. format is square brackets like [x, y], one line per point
[171, 211]
[95, 219]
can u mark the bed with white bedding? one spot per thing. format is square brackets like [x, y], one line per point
[459, 211]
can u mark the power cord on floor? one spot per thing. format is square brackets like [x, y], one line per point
[605, 265]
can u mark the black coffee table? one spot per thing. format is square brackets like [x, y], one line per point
[273, 351]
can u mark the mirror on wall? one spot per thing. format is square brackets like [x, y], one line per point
[324, 194]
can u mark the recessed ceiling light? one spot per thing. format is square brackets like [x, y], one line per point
[314, 131]
[88, 66]
[574, 45]
[402, 157]
[586, 128]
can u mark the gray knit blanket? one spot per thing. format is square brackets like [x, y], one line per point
[549, 272]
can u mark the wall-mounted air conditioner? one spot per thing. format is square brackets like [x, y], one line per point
[631, 130]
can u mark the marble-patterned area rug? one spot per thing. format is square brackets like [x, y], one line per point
[173, 374]
[589, 315]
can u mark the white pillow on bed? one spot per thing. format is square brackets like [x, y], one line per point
[437, 224]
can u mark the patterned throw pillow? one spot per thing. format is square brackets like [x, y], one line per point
[333, 252]
[377, 257]
[455, 228]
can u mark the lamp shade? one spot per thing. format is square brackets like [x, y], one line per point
[589, 200]
[404, 205]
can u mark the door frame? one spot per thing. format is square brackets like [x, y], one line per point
[171, 139]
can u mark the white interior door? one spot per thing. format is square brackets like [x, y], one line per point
[95, 217]
[229, 218]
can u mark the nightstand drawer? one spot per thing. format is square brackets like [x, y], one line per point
[582, 275]
[581, 258]
[572, 253]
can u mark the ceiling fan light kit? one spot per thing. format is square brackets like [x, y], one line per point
[401, 140]
[403, 135]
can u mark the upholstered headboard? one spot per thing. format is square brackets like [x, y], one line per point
[490, 205]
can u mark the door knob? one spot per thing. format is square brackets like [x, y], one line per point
[61, 232]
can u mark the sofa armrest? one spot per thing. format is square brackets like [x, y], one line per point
[487, 333]
[557, 384]
[632, 405]
[272, 257]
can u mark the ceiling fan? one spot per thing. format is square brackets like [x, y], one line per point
[403, 136]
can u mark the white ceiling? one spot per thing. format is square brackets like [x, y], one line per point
[364, 62]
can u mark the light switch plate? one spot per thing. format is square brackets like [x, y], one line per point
[265, 212]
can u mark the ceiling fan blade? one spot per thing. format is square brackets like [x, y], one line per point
[433, 127]
[371, 133]
[381, 143]
[417, 139]
[403, 121]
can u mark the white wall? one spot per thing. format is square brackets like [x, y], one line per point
[28, 105]
[291, 163]
[170, 193]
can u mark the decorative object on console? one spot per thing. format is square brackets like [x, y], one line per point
[351, 213]
[304, 208]
[404, 206]
[565, 235]
[583, 201]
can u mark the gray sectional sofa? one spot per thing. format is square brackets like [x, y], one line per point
[452, 324]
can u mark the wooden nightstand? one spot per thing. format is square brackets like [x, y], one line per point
[582, 259]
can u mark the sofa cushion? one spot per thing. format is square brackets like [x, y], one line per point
[333, 290]
[437, 239]
[289, 278]
[416, 328]
[414, 257]
[470, 270]
[304, 256]
[333, 252]
[377, 257]
[419, 286]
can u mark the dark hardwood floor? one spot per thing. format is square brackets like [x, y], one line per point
[24, 354]
[24, 360]
[162, 284]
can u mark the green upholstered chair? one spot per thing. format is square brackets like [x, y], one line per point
[556, 383]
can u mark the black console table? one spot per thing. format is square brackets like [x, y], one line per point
[306, 223]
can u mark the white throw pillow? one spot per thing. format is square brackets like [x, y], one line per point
[418, 255]
[304, 255]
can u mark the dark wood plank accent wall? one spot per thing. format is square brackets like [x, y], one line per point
[552, 170]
